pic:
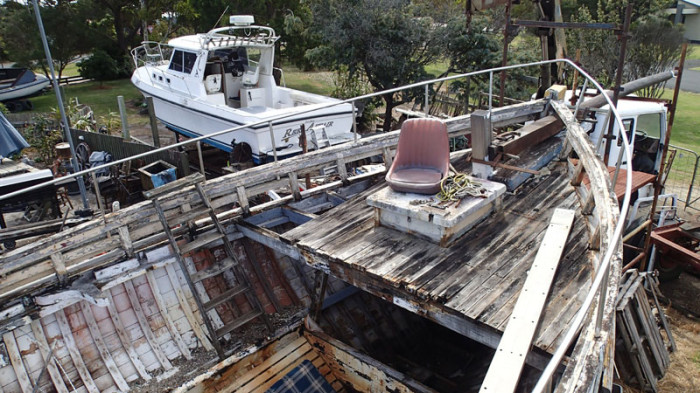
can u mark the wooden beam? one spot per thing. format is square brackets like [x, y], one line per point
[124, 338]
[507, 364]
[17, 364]
[74, 352]
[50, 365]
[529, 135]
[592, 340]
[106, 356]
[143, 322]
[163, 309]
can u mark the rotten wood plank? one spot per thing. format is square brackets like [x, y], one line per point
[106, 356]
[124, 338]
[145, 327]
[75, 355]
[17, 364]
[44, 348]
[174, 333]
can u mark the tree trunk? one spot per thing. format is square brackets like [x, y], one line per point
[119, 28]
[389, 101]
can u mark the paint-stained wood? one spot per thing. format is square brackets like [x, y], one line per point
[143, 322]
[45, 350]
[17, 364]
[106, 356]
[186, 308]
[75, 355]
[166, 315]
[124, 338]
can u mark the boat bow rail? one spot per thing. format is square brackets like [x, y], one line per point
[35, 266]
[151, 53]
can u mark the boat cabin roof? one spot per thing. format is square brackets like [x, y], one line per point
[228, 37]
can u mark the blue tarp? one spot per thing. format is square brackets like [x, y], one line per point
[11, 141]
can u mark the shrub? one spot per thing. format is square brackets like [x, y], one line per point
[100, 67]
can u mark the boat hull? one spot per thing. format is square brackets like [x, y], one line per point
[24, 90]
[194, 117]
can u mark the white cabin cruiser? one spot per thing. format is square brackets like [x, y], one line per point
[205, 83]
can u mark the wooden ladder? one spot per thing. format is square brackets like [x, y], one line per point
[242, 283]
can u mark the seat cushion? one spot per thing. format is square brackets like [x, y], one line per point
[418, 180]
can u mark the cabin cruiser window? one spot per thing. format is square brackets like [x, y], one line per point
[183, 61]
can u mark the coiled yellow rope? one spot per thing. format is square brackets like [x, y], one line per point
[457, 186]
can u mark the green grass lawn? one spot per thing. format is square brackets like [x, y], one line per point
[686, 124]
[693, 52]
[319, 82]
[101, 98]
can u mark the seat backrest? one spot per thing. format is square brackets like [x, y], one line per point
[250, 76]
[212, 83]
[423, 143]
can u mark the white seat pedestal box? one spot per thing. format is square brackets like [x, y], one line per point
[402, 211]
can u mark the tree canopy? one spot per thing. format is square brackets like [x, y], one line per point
[386, 40]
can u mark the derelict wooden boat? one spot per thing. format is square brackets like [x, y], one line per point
[146, 297]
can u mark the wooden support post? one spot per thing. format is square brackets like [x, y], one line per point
[386, 155]
[69, 342]
[579, 173]
[342, 170]
[594, 240]
[166, 316]
[106, 356]
[153, 121]
[243, 199]
[294, 185]
[589, 204]
[143, 322]
[50, 364]
[124, 338]
[124, 235]
[59, 266]
[321, 294]
[122, 114]
[481, 140]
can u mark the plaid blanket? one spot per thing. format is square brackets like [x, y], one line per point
[304, 378]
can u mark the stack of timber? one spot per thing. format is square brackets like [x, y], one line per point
[641, 355]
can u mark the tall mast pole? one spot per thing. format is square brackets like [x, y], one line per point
[61, 109]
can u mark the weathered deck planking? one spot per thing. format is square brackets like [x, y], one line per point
[478, 278]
